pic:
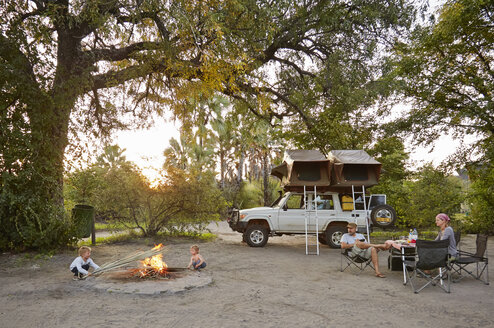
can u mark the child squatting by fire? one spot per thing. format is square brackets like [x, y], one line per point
[196, 260]
[81, 264]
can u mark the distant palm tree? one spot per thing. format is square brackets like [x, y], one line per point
[176, 154]
[111, 157]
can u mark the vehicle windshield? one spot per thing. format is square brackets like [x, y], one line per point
[280, 200]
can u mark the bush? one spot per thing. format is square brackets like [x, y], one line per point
[431, 192]
[181, 202]
[28, 220]
[481, 198]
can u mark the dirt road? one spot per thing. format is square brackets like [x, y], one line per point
[275, 286]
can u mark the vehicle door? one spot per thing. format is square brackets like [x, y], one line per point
[291, 214]
[325, 209]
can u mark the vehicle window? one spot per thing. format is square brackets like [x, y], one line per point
[377, 200]
[295, 202]
[325, 202]
[276, 203]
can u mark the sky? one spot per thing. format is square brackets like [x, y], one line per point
[145, 147]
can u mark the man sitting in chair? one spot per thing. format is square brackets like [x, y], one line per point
[356, 242]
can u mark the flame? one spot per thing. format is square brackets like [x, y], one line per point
[157, 246]
[153, 264]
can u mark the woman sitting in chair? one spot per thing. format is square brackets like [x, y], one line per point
[445, 232]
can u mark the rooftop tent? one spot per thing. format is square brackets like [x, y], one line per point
[303, 168]
[354, 167]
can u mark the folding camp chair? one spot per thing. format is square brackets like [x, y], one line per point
[457, 234]
[479, 258]
[356, 261]
[432, 254]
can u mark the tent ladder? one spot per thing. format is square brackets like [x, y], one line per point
[358, 197]
[310, 211]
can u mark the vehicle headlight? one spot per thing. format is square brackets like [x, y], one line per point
[242, 216]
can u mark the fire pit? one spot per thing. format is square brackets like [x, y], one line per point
[133, 274]
[152, 276]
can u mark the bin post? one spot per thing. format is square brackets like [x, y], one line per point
[93, 232]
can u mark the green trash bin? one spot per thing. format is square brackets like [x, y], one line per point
[82, 217]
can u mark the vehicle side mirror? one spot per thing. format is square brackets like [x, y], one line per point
[285, 207]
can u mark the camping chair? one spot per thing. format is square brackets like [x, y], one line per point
[457, 234]
[356, 261]
[431, 254]
[479, 258]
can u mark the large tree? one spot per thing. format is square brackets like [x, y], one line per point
[94, 65]
[447, 73]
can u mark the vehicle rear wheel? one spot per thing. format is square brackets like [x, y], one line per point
[383, 216]
[334, 234]
[256, 235]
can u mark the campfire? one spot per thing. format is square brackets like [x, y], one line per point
[153, 267]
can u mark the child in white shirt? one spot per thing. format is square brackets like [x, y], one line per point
[81, 264]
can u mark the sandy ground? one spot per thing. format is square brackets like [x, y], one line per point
[275, 286]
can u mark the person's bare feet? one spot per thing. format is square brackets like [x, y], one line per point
[380, 275]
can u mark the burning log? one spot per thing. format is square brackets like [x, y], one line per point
[153, 266]
[129, 259]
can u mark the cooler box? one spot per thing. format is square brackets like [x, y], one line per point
[394, 259]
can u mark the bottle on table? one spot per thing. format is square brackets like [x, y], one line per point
[415, 235]
[410, 235]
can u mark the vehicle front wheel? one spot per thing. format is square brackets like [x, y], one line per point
[334, 234]
[256, 235]
[322, 239]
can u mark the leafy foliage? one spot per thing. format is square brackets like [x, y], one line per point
[432, 192]
[251, 193]
[481, 198]
[182, 200]
[28, 221]
[445, 71]
[391, 153]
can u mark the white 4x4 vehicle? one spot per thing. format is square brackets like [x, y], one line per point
[287, 215]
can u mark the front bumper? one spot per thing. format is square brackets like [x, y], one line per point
[235, 223]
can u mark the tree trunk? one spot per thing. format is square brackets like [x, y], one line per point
[265, 178]
[222, 168]
[240, 169]
[50, 120]
[49, 129]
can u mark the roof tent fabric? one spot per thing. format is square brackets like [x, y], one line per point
[303, 168]
[340, 170]
[354, 167]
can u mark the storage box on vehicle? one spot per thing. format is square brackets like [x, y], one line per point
[347, 203]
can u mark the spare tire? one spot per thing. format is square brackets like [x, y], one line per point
[383, 216]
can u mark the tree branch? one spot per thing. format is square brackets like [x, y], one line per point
[295, 66]
[116, 54]
[115, 78]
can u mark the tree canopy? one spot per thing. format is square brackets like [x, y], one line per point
[71, 66]
[446, 70]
